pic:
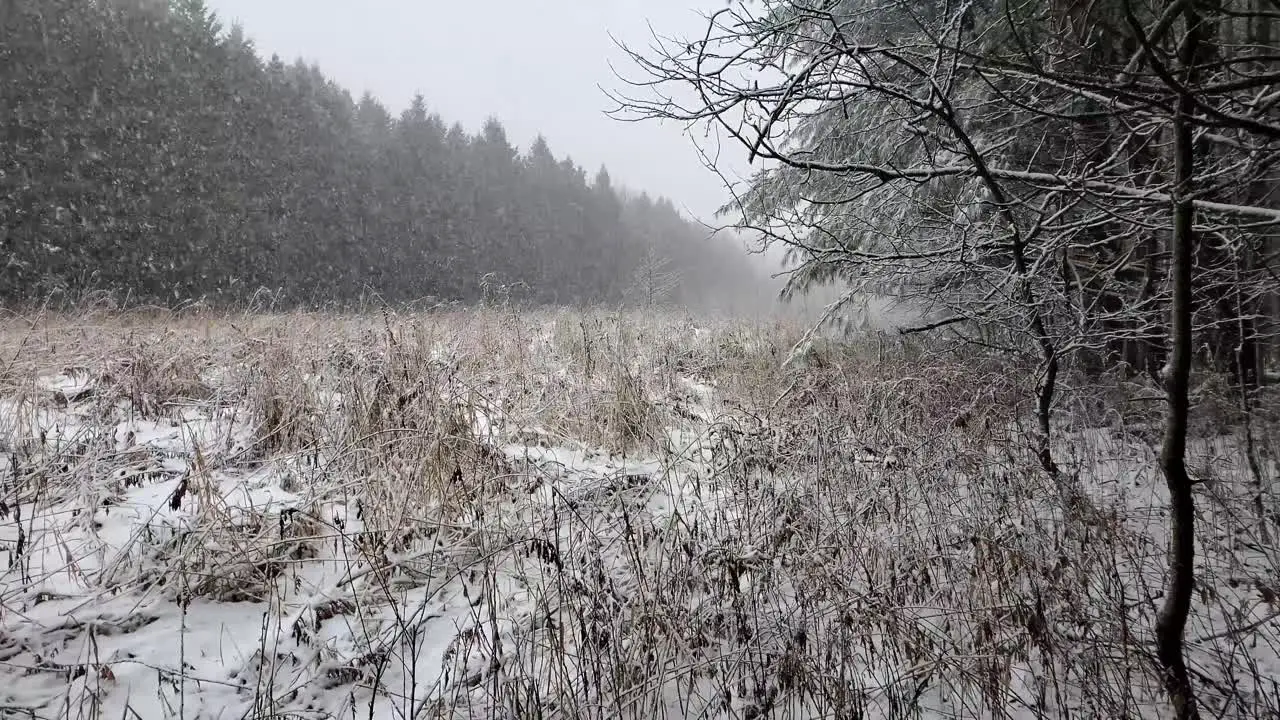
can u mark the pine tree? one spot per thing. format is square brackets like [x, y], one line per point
[152, 153]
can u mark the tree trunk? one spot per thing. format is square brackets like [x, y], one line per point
[1172, 620]
[1262, 36]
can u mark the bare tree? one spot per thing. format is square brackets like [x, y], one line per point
[1093, 181]
[654, 279]
[1172, 621]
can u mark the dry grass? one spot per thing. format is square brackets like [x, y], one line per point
[584, 515]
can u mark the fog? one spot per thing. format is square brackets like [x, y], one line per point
[357, 361]
[539, 67]
[335, 154]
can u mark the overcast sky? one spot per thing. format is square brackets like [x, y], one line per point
[536, 65]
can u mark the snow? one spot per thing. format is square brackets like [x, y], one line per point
[170, 576]
[72, 383]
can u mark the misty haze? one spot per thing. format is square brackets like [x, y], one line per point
[671, 359]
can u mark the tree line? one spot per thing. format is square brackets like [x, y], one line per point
[1008, 165]
[149, 152]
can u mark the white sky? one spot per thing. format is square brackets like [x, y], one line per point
[537, 65]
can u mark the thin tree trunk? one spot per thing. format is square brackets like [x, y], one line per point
[1172, 620]
[1262, 37]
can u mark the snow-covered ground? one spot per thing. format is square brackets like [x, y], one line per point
[563, 516]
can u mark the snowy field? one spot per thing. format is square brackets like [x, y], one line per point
[569, 515]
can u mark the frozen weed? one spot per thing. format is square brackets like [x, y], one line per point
[591, 515]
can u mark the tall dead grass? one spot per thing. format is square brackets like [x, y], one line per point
[860, 531]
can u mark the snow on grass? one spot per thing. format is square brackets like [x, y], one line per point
[563, 515]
